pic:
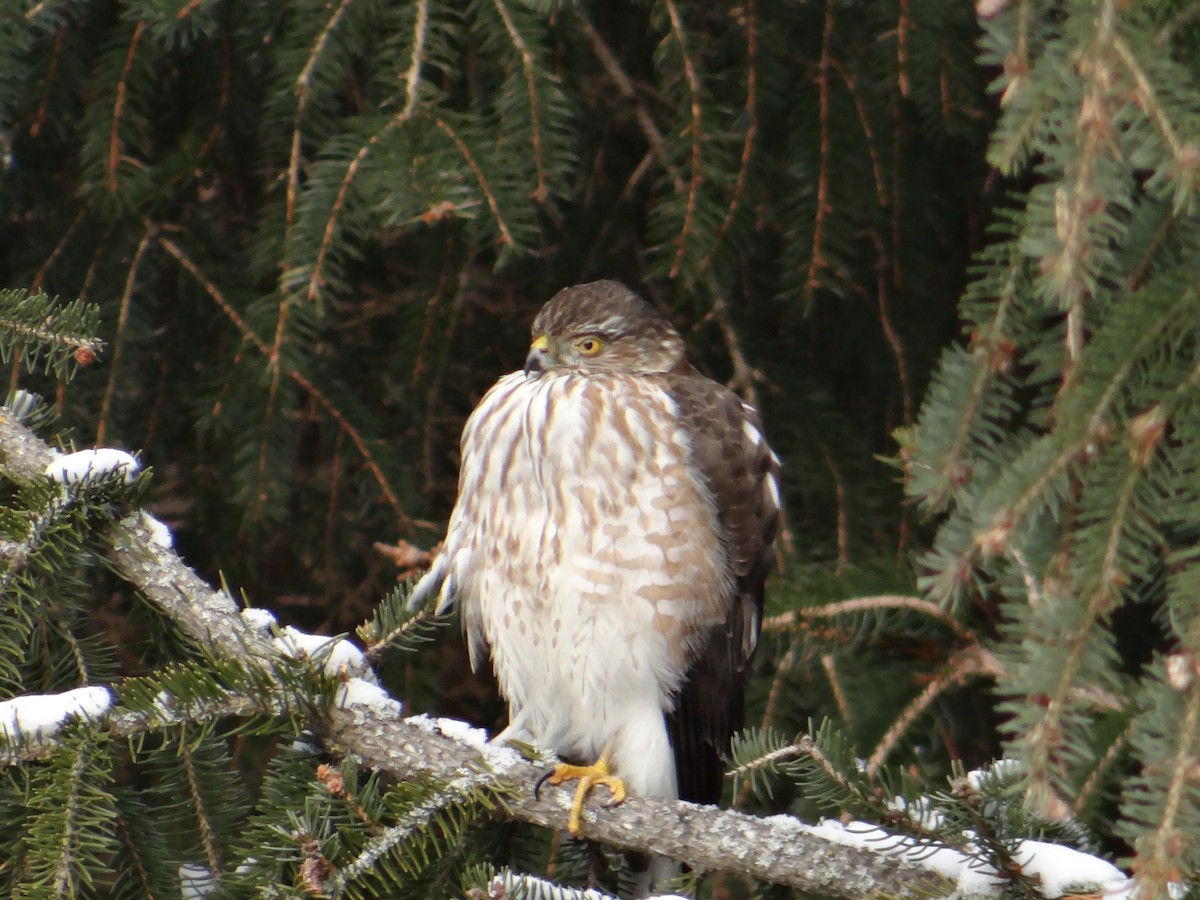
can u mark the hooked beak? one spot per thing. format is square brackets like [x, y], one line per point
[538, 360]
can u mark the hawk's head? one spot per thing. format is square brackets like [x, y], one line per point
[602, 327]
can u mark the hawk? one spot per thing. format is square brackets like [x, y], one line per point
[615, 517]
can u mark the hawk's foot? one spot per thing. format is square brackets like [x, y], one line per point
[588, 777]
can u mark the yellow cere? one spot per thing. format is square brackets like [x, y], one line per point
[541, 342]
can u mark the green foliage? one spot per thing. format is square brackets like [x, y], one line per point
[39, 332]
[307, 237]
[66, 833]
[346, 835]
[394, 626]
[1057, 444]
[316, 232]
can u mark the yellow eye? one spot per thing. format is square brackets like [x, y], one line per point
[589, 345]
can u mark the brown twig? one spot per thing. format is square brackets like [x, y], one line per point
[855, 605]
[839, 488]
[118, 344]
[258, 343]
[514, 35]
[696, 130]
[113, 158]
[817, 261]
[412, 83]
[739, 186]
[469, 158]
[624, 85]
[744, 375]
[974, 660]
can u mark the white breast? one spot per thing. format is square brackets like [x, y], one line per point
[585, 553]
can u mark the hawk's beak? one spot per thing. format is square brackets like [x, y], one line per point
[538, 360]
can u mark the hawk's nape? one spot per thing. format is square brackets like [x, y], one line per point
[609, 544]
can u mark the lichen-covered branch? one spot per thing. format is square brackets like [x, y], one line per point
[780, 849]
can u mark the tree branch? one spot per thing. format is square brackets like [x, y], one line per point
[781, 849]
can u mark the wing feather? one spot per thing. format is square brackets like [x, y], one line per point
[731, 455]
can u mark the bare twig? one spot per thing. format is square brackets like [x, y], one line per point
[624, 84]
[863, 604]
[972, 661]
[250, 336]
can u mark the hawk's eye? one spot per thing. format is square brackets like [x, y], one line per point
[589, 345]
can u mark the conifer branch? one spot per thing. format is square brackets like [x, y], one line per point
[864, 122]
[412, 77]
[891, 335]
[316, 280]
[214, 293]
[952, 464]
[744, 375]
[1047, 734]
[624, 84]
[750, 15]
[778, 850]
[40, 276]
[839, 693]
[303, 81]
[412, 80]
[115, 144]
[71, 831]
[971, 661]
[208, 840]
[120, 724]
[839, 493]
[817, 258]
[34, 11]
[773, 694]
[1095, 781]
[535, 120]
[33, 327]
[1159, 854]
[121, 332]
[485, 188]
[857, 605]
[695, 128]
[344, 424]
[1034, 495]
[1148, 103]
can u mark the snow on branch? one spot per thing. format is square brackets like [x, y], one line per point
[84, 464]
[38, 716]
[368, 724]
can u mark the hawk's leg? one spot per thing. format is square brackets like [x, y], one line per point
[588, 777]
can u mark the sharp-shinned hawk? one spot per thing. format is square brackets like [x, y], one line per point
[614, 522]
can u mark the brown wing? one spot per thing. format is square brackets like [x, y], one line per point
[731, 454]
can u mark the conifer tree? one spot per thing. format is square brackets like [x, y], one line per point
[298, 240]
[1055, 443]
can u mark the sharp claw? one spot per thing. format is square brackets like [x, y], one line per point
[537, 788]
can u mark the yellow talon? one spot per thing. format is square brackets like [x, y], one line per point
[588, 777]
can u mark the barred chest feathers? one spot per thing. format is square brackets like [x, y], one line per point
[597, 499]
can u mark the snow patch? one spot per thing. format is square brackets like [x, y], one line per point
[359, 692]
[1067, 871]
[41, 715]
[462, 731]
[259, 619]
[195, 882]
[1062, 870]
[72, 468]
[338, 655]
[160, 534]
